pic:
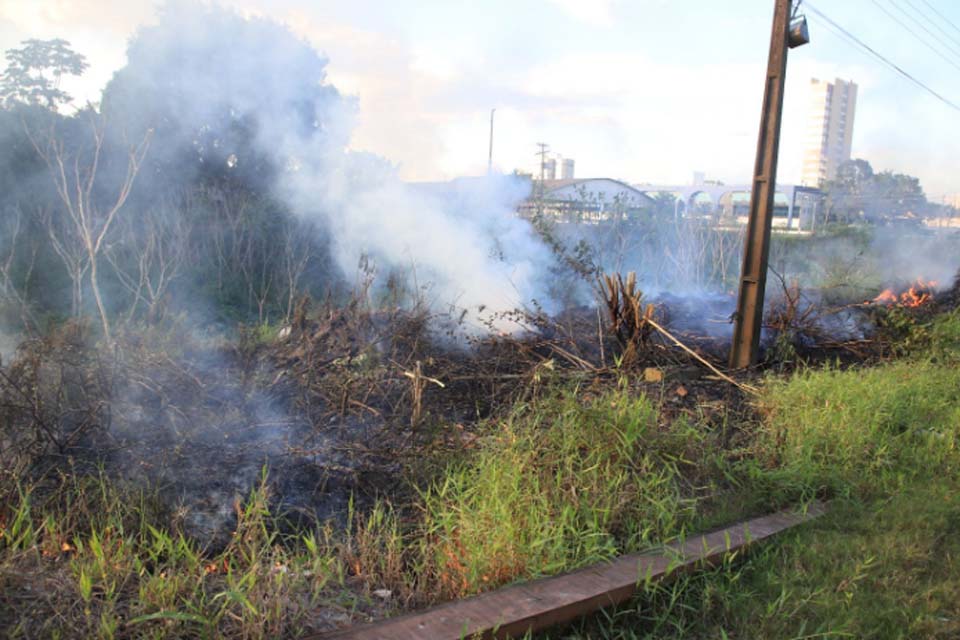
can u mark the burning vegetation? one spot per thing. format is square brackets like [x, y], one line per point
[919, 293]
[257, 387]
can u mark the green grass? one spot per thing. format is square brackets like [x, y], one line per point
[107, 567]
[556, 484]
[885, 562]
[560, 484]
[864, 432]
[868, 432]
[574, 477]
[882, 569]
[888, 568]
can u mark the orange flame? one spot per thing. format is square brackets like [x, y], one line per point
[919, 293]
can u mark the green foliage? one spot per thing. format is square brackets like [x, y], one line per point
[569, 479]
[559, 484]
[944, 339]
[34, 71]
[195, 230]
[837, 262]
[252, 337]
[883, 563]
[902, 329]
[111, 551]
[864, 432]
[883, 570]
[857, 193]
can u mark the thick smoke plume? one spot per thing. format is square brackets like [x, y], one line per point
[252, 100]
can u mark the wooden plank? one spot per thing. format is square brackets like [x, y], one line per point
[532, 606]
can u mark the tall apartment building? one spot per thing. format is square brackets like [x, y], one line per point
[830, 133]
[550, 166]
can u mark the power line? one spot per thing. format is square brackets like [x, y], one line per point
[880, 57]
[916, 35]
[943, 17]
[922, 26]
[926, 17]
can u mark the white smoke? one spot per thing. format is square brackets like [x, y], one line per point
[470, 247]
[226, 80]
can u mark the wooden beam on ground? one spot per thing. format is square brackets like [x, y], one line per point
[512, 611]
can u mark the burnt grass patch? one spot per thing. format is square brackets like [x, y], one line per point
[279, 435]
[345, 405]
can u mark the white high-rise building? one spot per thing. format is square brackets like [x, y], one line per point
[830, 132]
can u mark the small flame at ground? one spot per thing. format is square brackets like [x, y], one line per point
[919, 293]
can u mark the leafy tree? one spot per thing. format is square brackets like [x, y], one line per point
[859, 193]
[34, 72]
[666, 207]
[33, 279]
[222, 93]
[91, 223]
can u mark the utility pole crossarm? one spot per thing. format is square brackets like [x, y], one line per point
[753, 275]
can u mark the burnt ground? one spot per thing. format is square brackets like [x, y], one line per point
[948, 300]
[351, 403]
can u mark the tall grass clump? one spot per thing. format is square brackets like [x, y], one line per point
[108, 566]
[868, 431]
[561, 483]
[944, 337]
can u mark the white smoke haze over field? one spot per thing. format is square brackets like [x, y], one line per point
[903, 257]
[244, 92]
[472, 253]
[220, 73]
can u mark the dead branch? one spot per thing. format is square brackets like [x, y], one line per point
[745, 387]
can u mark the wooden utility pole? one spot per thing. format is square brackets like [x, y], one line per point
[541, 191]
[753, 274]
[544, 149]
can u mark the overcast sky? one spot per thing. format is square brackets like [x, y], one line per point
[640, 90]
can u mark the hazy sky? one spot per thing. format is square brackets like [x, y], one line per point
[641, 90]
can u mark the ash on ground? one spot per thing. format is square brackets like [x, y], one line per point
[332, 408]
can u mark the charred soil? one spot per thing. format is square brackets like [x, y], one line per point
[339, 422]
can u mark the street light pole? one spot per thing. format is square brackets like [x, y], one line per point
[753, 274]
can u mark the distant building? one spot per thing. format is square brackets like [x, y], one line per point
[586, 200]
[550, 169]
[551, 166]
[795, 207]
[832, 109]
